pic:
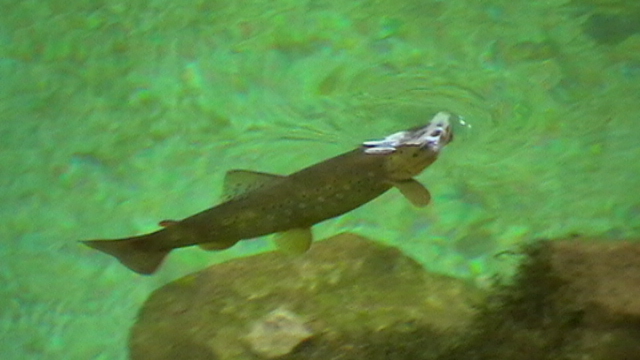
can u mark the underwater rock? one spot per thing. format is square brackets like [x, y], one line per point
[601, 277]
[575, 298]
[608, 29]
[360, 299]
[277, 334]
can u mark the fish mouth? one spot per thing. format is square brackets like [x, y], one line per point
[433, 136]
[438, 133]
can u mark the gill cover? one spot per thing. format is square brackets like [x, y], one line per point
[434, 136]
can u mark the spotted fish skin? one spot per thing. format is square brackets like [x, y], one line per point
[292, 204]
[302, 199]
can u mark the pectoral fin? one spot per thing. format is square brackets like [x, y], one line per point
[239, 182]
[295, 241]
[415, 192]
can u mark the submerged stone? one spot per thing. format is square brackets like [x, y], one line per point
[575, 298]
[348, 297]
[277, 334]
[612, 29]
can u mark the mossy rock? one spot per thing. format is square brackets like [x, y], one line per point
[358, 298]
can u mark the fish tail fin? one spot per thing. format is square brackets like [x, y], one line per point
[133, 253]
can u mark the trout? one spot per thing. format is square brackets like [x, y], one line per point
[258, 204]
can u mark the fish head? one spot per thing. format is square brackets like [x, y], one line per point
[411, 151]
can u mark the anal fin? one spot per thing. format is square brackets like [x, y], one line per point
[167, 223]
[294, 241]
[415, 192]
[217, 245]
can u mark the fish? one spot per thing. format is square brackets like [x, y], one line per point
[256, 203]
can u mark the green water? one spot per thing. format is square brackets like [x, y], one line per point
[114, 116]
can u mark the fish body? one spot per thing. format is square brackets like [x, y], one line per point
[258, 204]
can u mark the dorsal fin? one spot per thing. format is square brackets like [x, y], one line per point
[239, 182]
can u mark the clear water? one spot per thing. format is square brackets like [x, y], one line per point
[114, 116]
